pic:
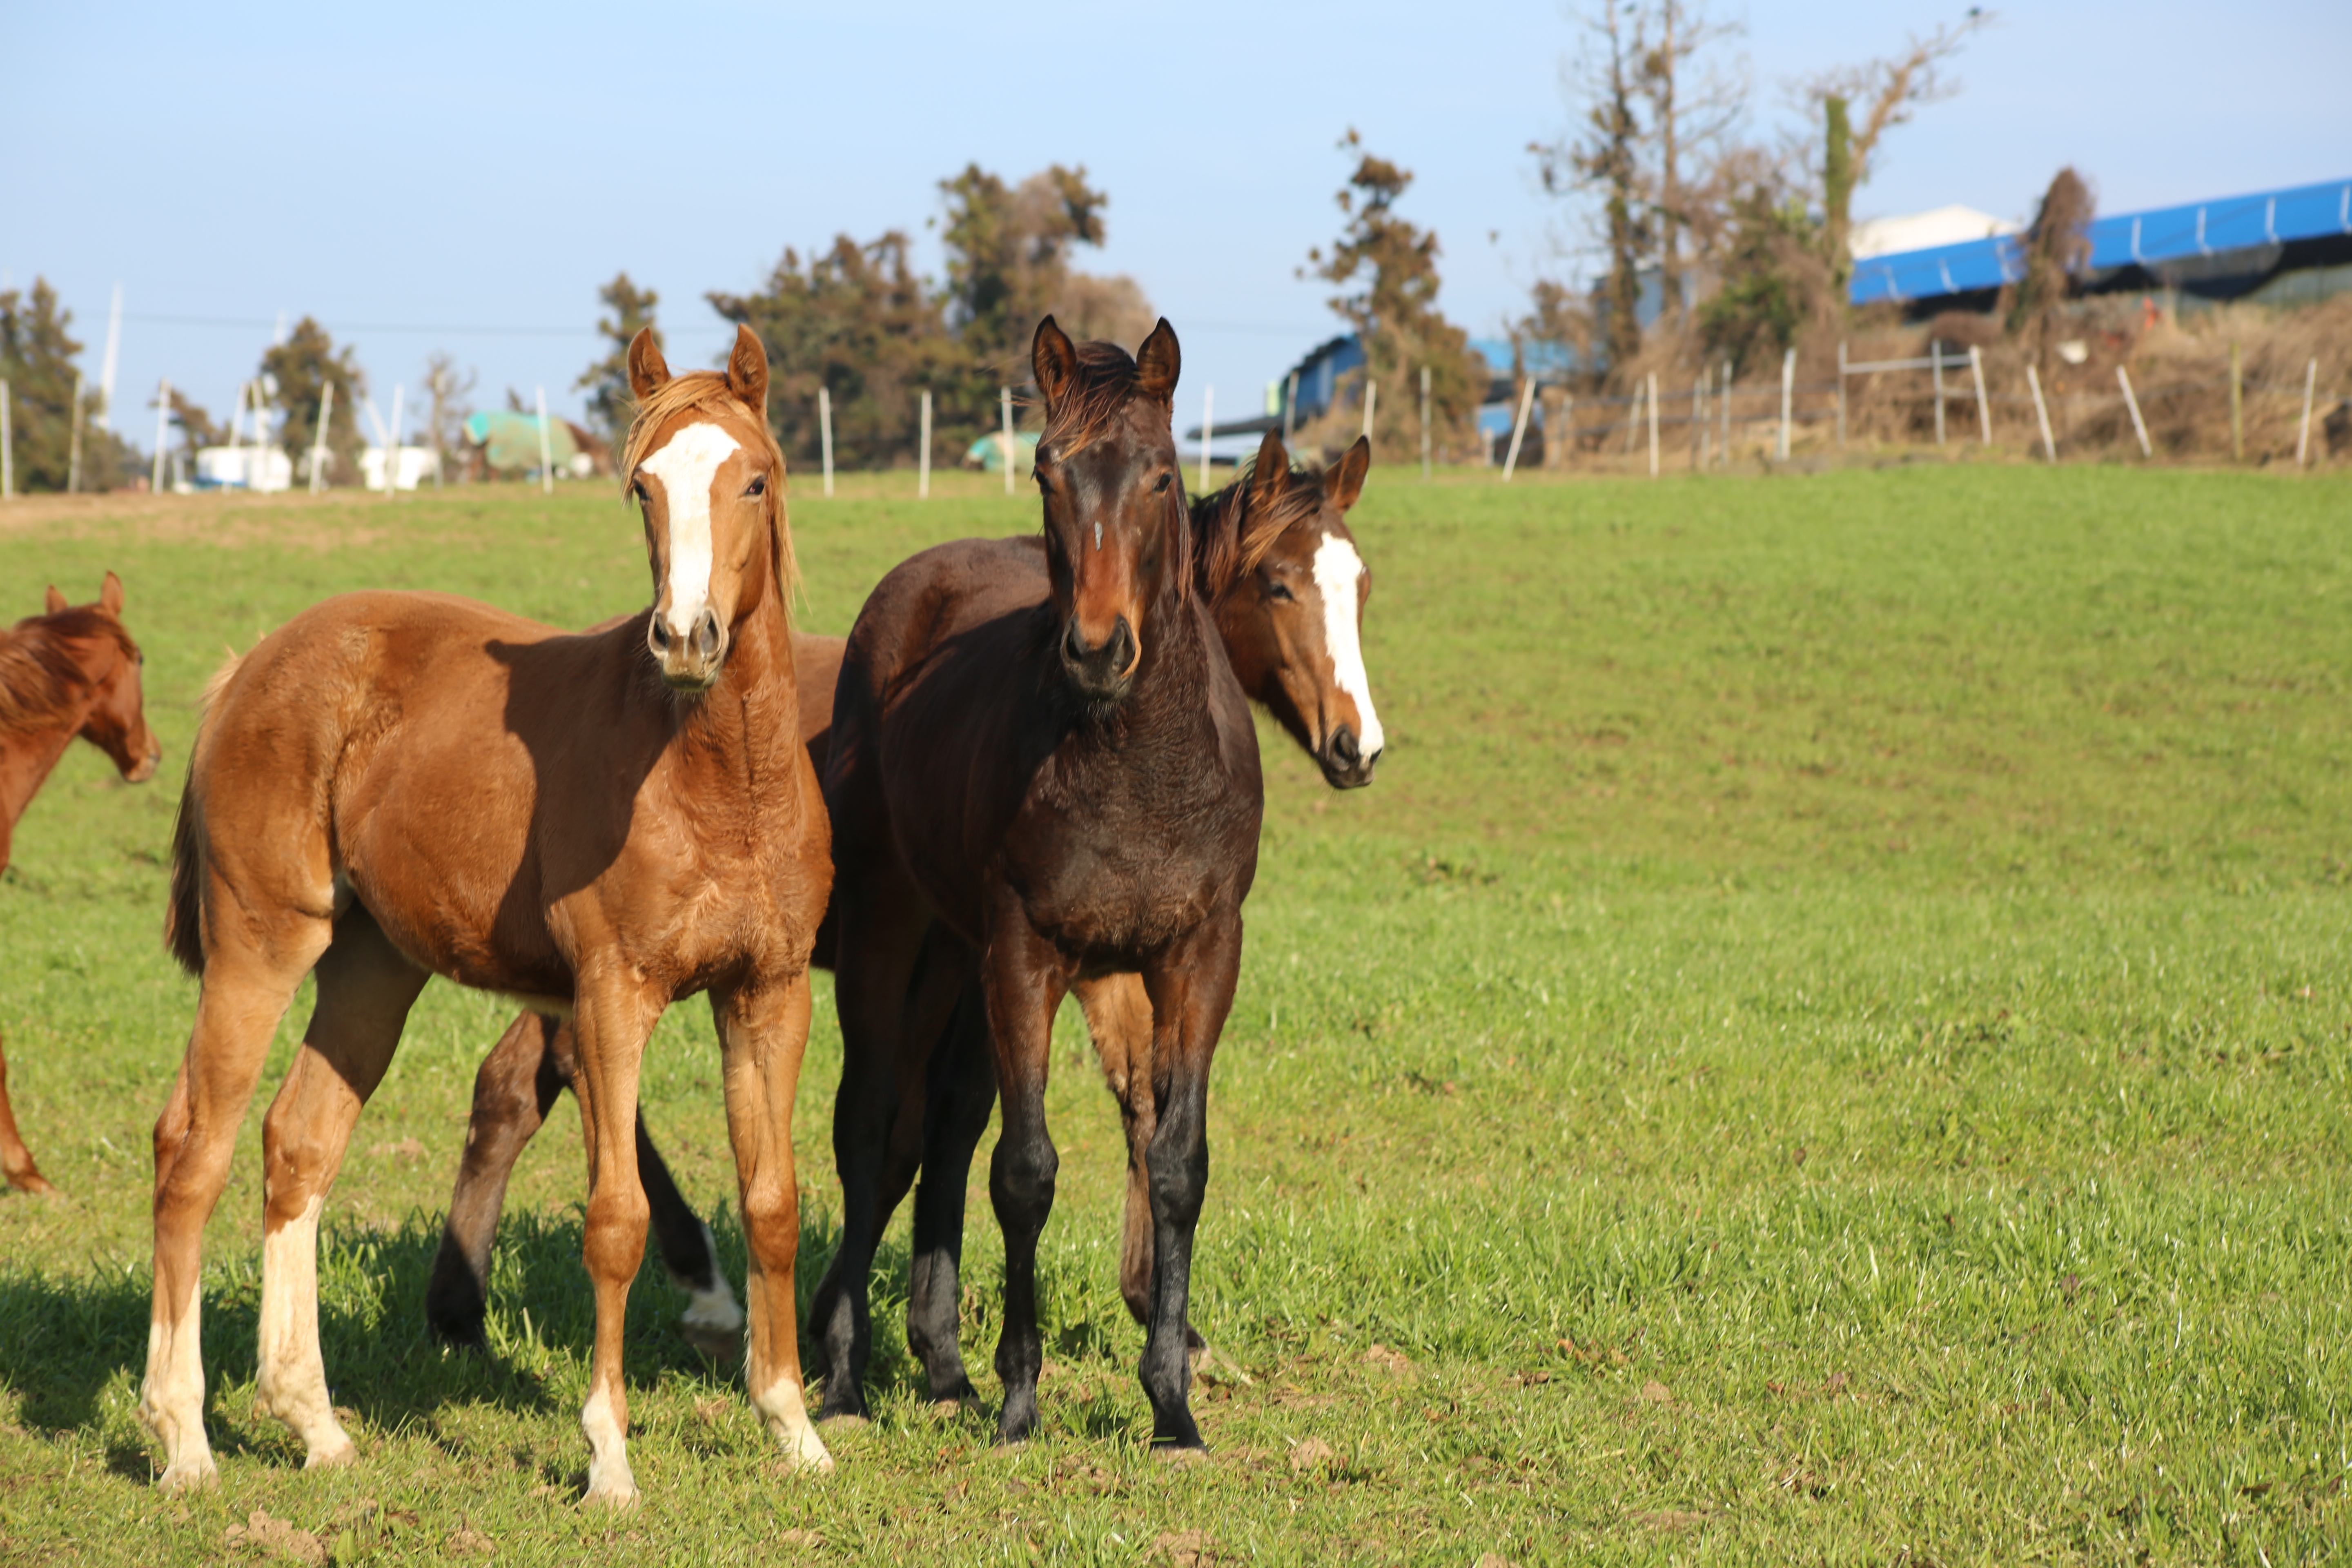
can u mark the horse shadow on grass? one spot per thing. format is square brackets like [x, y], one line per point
[74, 1348]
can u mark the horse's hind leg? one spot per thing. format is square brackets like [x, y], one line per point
[713, 1321]
[962, 1094]
[513, 1091]
[365, 989]
[245, 994]
[16, 1159]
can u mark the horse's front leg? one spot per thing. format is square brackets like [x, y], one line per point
[612, 1018]
[1025, 978]
[761, 1033]
[1191, 983]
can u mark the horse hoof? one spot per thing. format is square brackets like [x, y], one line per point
[620, 1498]
[189, 1476]
[332, 1457]
[33, 1183]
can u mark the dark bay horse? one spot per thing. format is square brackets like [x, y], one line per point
[71, 672]
[1274, 558]
[1041, 778]
[396, 786]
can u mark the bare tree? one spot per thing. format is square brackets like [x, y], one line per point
[447, 421]
[1606, 158]
[1888, 92]
[1696, 103]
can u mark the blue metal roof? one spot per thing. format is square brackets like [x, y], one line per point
[2127, 239]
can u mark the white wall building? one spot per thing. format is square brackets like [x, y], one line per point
[262, 468]
[416, 465]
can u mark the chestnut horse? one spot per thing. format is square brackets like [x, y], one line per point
[1098, 771]
[70, 672]
[396, 786]
[1275, 559]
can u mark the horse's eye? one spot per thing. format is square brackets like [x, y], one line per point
[758, 486]
[1162, 487]
[638, 490]
[1276, 589]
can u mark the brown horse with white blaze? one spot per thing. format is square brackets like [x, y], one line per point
[397, 785]
[72, 672]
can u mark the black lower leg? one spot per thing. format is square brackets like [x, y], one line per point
[1021, 1185]
[1179, 1161]
[963, 1093]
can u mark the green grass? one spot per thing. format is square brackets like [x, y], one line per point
[1828, 1041]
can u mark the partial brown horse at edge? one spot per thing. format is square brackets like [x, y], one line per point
[72, 672]
[395, 786]
[1274, 559]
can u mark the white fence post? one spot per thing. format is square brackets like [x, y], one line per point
[1652, 385]
[163, 427]
[1424, 421]
[1788, 390]
[319, 438]
[1936, 369]
[1372, 401]
[923, 456]
[8, 449]
[2139, 426]
[825, 434]
[546, 447]
[1984, 405]
[1005, 395]
[2310, 386]
[1519, 428]
[2040, 412]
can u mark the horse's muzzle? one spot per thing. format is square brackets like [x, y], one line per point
[1101, 674]
[1345, 764]
[689, 663]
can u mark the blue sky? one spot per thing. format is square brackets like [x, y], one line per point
[455, 168]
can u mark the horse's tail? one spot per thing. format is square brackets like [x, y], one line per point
[183, 918]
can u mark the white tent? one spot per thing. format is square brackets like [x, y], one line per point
[1919, 231]
[264, 468]
[416, 465]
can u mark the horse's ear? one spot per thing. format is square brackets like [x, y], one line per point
[1271, 474]
[56, 603]
[747, 371]
[1345, 482]
[1053, 362]
[109, 594]
[648, 372]
[1157, 361]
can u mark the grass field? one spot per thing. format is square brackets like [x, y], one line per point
[1829, 1040]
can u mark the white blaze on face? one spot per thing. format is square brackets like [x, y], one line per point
[686, 466]
[1338, 573]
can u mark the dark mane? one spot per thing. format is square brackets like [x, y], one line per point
[1105, 384]
[42, 673]
[1230, 537]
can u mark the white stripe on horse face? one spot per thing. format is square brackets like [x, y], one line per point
[1338, 572]
[685, 465]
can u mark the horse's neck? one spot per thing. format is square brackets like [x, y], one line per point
[748, 724]
[26, 758]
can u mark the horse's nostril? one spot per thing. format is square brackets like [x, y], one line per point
[706, 635]
[1344, 748]
[1073, 647]
[1124, 650]
[660, 634]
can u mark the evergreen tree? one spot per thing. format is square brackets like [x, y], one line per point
[606, 381]
[38, 350]
[295, 376]
[859, 321]
[1388, 268]
[1008, 256]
